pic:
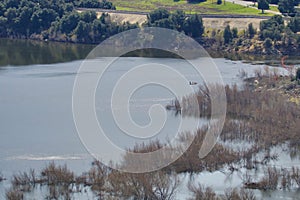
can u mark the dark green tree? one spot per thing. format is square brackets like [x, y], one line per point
[251, 30]
[268, 43]
[42, 19]
[12, 3]
[2, 8]
[178, 19]
[287, 7]
[227, 35]
[157, 14]
[165, 23]
[3, 22]
[272, 28]
[195, 1]
[273, 1]
[263, 5]
[88, 16]
[82, 32]
[69, 22]
[298, 74]
[194, 26]
[234, 32]
[294, 24]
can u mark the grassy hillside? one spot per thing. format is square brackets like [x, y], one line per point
[208, 7]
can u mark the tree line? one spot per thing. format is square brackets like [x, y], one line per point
[191, 25]
[286, 7]
[274, 35]
[50, 19]
[60, 21]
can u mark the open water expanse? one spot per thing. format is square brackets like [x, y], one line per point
[37, 126]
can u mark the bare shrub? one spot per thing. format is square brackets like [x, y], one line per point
[235, 194]
[25, 181]
[97, 177]
[268, 182]
[155, 185]
[246, 194]
[286, 179]
[14, 194]
[81, 182]
[56, 175]
[243, 74]
[200, 192]
[271, 178]
[59, 192]
[296, 175]
[1, 177]
[259, 115]
[59, 180]
[258, 73]
[190, 161]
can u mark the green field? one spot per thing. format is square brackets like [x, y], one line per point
[274, 8]
[208, 7]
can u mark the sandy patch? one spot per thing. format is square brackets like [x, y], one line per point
[239, 23]
[211, 23]
[125, 17]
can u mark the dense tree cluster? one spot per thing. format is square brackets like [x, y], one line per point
[59, 20]
[229, 34]
[263, 5]
[274, 36]
[286, 7]
[272, 28]
[191, 25]
[49, 19]
[277, 31]
[294, 24]
[94, 4]
[195, 1]
[281, 35]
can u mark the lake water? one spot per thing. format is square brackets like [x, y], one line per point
[36, 117]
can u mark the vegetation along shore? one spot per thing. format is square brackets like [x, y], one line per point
[252, 119]
[65, 21]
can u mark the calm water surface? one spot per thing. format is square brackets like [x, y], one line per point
[36, 117]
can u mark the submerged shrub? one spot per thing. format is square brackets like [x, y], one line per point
[296, 175]
[235, 194]
[55, 175]
[201, 192]
[1, 177]
[14, 194]
[154, 185]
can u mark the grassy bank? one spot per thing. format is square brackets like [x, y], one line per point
[208, 7]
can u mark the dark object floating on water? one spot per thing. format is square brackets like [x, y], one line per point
[192, 83]
[2, 179]
[175, 105]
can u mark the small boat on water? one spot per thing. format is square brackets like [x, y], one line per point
[192, 83]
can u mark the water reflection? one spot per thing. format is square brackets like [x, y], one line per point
[27, 52]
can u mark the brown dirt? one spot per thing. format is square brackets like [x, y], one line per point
[239, 23]
[211, 23]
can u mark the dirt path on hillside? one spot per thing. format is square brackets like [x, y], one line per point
[211, 23]
[239, 23]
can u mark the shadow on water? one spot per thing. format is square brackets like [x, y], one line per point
[272, 60]
[28, 52]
